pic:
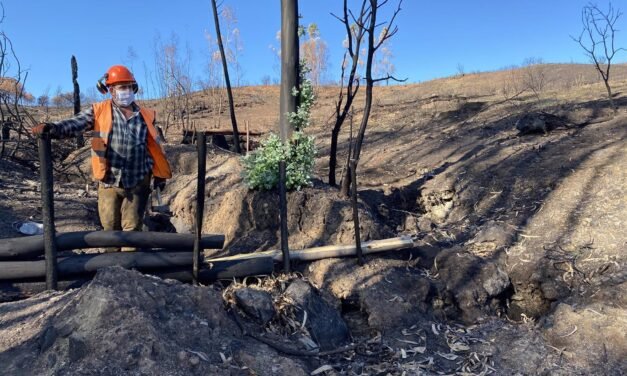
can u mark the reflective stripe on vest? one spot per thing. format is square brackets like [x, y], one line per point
[103, 120]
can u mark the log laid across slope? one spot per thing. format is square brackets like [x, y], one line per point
[171, 264]
[33, 246]
[15, 290]
[330, 251]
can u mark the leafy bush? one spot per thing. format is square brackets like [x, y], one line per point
[261, 167]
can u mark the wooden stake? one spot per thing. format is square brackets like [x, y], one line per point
[283, 214]
[47, 206]
[200, 201]
[247, 137]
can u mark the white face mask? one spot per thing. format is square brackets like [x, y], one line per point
[124, 98]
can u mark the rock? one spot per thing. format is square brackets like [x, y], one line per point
[410, 225]
[538, 122]
[410, 295]
[180, 225]
[531, 123]
[256, 303]
[425, 224]
[159, 222]
[261, 360]
[77, 348]
[324, 323]
[437, 204]
[494, 233]
[471, 282]
[47, 339]
[494, 280]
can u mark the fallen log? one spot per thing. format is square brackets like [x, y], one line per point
[33, 246]
[90, 263]
[211, 272]
[329, 251]
[72, 266]
[226, 269]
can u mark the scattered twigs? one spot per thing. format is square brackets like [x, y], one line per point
[288, 349]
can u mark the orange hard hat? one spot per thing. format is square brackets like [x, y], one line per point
[119, 74]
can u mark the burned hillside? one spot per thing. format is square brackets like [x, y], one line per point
[517, 262]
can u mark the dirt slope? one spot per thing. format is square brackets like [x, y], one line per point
[519, 264]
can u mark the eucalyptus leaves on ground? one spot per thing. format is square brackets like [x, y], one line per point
[261, 167]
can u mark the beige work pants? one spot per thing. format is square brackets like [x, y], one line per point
[123, 208]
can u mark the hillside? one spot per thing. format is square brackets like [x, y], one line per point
[519, 257]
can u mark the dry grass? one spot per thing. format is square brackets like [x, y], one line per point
[259, 105]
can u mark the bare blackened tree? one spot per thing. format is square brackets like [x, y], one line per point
[12, 81]
[369, 23]
[77, 97]
[227, 81]
[354, 37]
[597, 40]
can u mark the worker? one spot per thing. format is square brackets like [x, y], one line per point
[126, 150]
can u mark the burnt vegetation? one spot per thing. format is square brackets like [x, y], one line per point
[508, 185]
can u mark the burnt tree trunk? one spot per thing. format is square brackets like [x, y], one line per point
[341, 117]
[369, 18]
[227, 81]
[606, 81]
[80, 141]
[346, 182]
[288, 104]
[353, 49]
[289, 65]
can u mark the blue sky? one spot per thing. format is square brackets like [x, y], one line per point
[434, 36]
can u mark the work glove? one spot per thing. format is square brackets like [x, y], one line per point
[158, 183]
[40, 128]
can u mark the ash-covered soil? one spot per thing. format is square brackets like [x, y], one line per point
[518, 265]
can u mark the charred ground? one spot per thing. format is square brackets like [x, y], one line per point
[519, 263]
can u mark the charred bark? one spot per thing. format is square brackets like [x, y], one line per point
[80, 140]
[33, 246]
[212, 271]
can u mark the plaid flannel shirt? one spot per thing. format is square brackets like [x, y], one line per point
[127, 154]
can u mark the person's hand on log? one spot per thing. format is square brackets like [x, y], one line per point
[158, 183]
[40, 129]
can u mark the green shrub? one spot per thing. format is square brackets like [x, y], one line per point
[261, 167]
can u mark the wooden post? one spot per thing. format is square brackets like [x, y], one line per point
[289, 65]
[50, 244]
[247, 137]
[200, 201]
[353, 171]
[288, 104]
[283, 213]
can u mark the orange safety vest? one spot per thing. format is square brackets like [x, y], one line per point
[103, 120]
